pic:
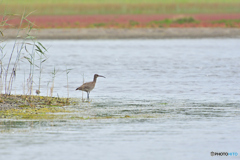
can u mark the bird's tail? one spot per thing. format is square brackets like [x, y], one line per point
[79, 88]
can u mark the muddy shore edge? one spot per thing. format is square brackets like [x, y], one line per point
[141, 33]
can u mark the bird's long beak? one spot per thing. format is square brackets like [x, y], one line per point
[101, 76]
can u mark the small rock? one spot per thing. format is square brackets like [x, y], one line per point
[38, 92]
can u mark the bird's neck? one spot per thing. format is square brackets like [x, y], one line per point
[95, 79]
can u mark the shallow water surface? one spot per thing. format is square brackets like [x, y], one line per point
[161, 99]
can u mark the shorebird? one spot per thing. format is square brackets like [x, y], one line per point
[87, 87]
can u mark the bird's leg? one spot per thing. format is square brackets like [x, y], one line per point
[88, 96]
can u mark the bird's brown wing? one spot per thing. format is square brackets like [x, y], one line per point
[85, 87]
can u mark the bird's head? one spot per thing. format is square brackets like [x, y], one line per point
[96, 75]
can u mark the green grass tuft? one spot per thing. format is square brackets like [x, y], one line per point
[168, 22]
[228, 23]
[185, 20]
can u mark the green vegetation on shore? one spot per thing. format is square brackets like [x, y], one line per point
[151, 24]
[19, 101]
[32, 107]
[168, 22]
[228, 23]
[117, 1]
[94, 7]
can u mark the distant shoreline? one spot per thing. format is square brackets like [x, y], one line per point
[142, 33]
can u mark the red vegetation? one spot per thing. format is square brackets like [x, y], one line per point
[127, 21]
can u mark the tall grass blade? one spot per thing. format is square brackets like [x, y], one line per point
[1, 33]
[42, 46]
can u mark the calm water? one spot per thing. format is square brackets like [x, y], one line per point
[183, 95]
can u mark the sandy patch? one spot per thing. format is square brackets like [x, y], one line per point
[141, 33]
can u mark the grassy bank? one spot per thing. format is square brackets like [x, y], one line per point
[94, 7]
[32, 107]
[117, 1]
[22, 101]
